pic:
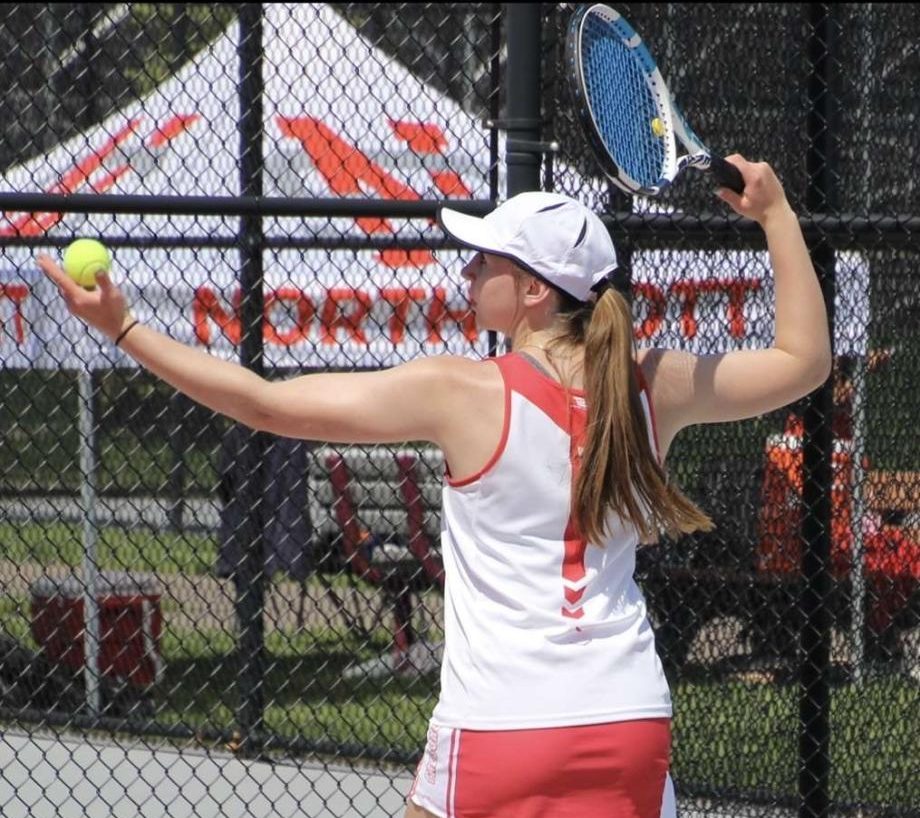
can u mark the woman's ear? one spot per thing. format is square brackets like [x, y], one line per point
[536, 292]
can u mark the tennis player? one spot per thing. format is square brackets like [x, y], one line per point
[553, 701]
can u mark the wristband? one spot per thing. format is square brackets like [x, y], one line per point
[126, 330]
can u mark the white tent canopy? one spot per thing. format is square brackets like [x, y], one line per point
[340, 118]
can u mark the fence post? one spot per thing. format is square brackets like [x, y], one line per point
[820, 196]
[522, 93]
[495, 89]
[178, 442]
[250, 579]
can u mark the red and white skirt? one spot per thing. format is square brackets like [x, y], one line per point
[593, 771]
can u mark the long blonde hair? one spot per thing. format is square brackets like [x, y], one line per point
[619, 470]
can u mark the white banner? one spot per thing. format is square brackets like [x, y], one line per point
[330, 130]
[714, 301]
[338, 310]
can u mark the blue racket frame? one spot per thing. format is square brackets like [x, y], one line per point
[626, 109]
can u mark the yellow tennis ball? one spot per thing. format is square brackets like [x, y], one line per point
[657, 127]
[83, 259]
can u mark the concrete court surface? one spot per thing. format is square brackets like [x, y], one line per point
[46, 776]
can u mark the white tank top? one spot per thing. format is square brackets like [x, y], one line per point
[541, 629]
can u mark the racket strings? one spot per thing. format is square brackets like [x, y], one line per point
[622, 104]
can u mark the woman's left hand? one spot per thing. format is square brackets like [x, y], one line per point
[763, 193]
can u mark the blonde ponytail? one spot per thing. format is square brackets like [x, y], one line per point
[619, 471]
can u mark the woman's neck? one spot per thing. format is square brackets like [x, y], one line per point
[534, 339]
[562, 359]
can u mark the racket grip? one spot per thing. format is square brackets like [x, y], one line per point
[726, 174]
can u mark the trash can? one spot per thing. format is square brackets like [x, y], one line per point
[130, 625]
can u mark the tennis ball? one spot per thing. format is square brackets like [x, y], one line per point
[657, 127]
[83, 259]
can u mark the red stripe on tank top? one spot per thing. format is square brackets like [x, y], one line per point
[566, 408]
[573, 563]
[539, 389]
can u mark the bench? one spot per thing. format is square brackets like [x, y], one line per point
[378, 509]
[393, 493]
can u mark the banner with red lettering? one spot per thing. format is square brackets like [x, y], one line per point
[713, 301]
[353, 316]
[329, 131]
[329, 316]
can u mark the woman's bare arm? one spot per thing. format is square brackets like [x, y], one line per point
[408, 402]
[689, 389]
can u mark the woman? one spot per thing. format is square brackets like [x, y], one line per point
[553, 702]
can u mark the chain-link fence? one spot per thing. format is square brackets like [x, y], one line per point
[201, 620]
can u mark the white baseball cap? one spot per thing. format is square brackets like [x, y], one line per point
[555, 238]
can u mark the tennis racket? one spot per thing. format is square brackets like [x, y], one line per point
[626, 110]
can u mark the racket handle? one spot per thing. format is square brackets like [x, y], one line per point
[726, 174]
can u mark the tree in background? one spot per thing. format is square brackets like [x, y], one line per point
[66, 66]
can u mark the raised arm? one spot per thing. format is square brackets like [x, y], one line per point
[689, 389]
[408, 402]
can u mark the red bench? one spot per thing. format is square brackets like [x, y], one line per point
[380, 506]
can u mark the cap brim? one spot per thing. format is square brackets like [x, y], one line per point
[470, 231]
[478, 234]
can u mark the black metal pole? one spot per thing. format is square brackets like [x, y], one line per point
[523, 113]
[845, 229]
[495, 90]
[250, 579]
[522, 95]
[495, 101]
[242, 205]
[814, 683]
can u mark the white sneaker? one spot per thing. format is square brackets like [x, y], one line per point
[420, 659]
[380, 667]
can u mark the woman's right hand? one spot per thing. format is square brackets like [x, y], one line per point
[763, 193]
[104, 308]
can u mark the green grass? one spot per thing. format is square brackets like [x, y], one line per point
[745, 737]
[136, 416]
[875, 743]
[118, 549]
[130, 462]
[14, 620]
[735, 735]
[304, 688]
